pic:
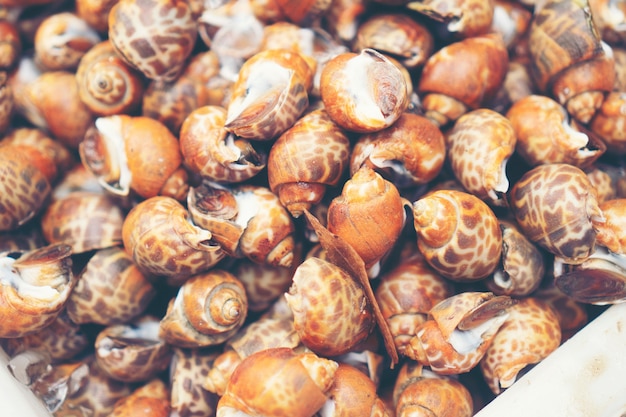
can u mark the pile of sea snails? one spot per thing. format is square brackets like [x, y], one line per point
[319, 208]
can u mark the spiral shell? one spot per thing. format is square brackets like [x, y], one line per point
[133, 351]
[110, 290]
[61, 41]
[545, 134]
[34, 288]
[154, 37]
[479, 147]
[85, 220]
[363, 92]
[106, 84]
[270, 94]
[462, 76]
[408, 153]
[247, 221]
[212, 152]
[307, 159]
[369, 215]
[328, 327]
[208, 309]
[529, 334]
[134, 153]
[458, 234]
[554, 205]
[160, 238]
[296, 385]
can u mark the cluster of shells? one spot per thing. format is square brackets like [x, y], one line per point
[304, 208]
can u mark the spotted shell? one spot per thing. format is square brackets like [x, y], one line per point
[458, 234]
[208, 309]
[152, 397]
[529, 334]
[155, 37]
[479, 146]
[188, 369]
[554, 205]
[307, 159]
[609, 122]
[214, 153]
[611, 232]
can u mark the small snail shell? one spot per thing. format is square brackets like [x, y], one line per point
[369, 215]
[430, 394]
[522, 267]
[133, 351]
[23, 189]
[61, 41]
[10, 45]
[612, 232]
[6, 103]
[459, 332]
[306, 159]
[95, 13]
[297, 384]
[151, 398]
[160, 238]
[480, 62]
[610, 122]
[545, 134]
[479, 146]
[106, 84]
[463, 18]
[398, 35]
[458, 234]
[406, 294]
[270, 94]
[34, 288]
[62, 340]
[188, 369]
[554, 205]
[329, 326]
[134, 153]
[264, 333]
[208, 309]
[363, 92]
[110, 290]
[410, 152]
[155, 37]
[247, 221]
[529, 334]
[212, 152]
[84, 220]
[353, 394]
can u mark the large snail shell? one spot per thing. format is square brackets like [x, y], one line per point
[10, 45]
[188, 369]
[106, 84]
[554, 205]
[479, 147]
[306, 159]
[61, 41]
[270, 94]
[35, 286]
[458, 234]
[85, 220]
[296, 385]
[462, 76]
[154, 37]
[369, 215]
[211, 151]
[151, 398]
[529, 334]
[247, 221]
[408, 153]
[110, 290]
[23, 188]
[363, 92]
[610, 122]
[545, 134]
[331, 311]
[208, 309]
[612, 232]
[160, 238]
[134, 153]
[133, 351]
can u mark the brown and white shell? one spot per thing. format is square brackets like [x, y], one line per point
[462, 18]
[152, 398]
[189, 367]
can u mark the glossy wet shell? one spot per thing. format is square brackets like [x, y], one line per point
[554, 206]
[435, 396]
